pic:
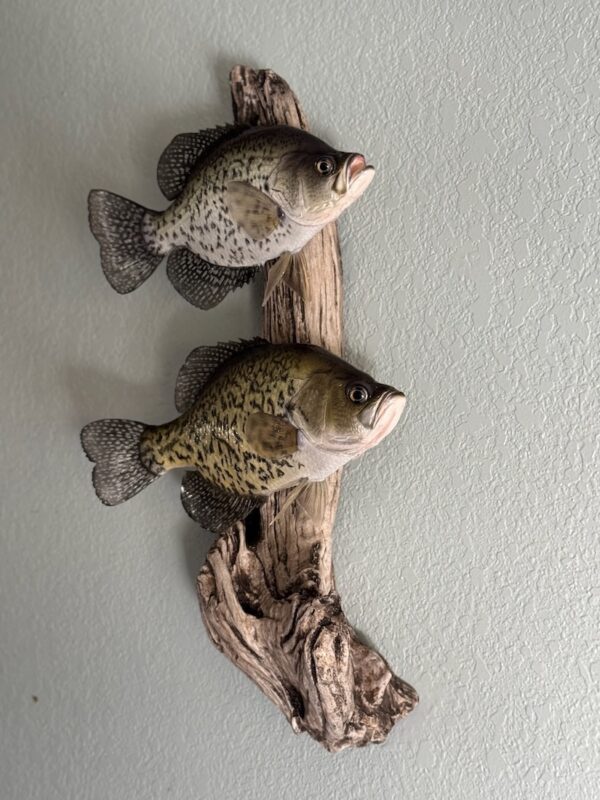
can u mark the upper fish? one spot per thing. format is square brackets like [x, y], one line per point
[241, 197]
[254, 418]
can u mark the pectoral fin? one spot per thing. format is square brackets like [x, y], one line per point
[252, 209]
[271, 436]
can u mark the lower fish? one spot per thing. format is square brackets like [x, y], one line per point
[255, 418]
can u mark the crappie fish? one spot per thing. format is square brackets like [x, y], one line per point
[255, 418]
[241, 197]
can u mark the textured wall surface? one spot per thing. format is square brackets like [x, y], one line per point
[466, 545]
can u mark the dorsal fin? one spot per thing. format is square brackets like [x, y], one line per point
[200, 365]
[182, 154]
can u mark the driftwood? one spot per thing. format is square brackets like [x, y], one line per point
[267, 591]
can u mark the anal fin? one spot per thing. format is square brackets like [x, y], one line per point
[202, 284]
[212, 507]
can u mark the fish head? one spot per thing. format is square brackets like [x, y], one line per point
[313, 183]
[339, 408]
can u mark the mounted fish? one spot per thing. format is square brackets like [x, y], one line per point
[255, 418]
[241, 197]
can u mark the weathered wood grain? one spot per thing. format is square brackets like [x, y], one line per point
[267, 590]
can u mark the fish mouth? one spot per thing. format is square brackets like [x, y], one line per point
[378, 418]
[352, 179]
[354, 165]
[355, 169]
[382, 415]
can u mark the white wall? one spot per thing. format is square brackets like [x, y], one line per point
[466, 545]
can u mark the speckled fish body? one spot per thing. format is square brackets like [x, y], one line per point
[241, 197]
[200, 218]
[256, 418]
[211, 436]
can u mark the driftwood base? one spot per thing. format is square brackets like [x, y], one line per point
[267, 590]
[300, 650]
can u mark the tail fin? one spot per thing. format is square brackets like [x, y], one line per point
[117, 224]
[114, 446]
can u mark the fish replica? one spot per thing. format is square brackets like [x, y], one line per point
[241, 197]
[255, 418]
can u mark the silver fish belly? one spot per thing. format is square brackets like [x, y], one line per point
[200, 221]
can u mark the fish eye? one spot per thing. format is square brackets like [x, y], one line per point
[357, 393]
[325, 165]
